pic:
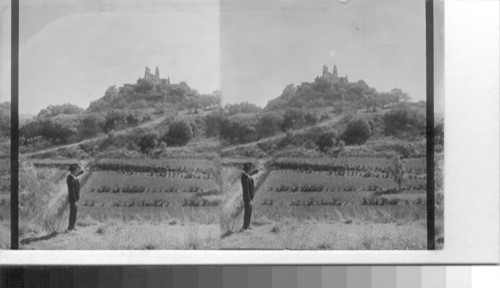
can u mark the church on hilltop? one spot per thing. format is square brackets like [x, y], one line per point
[155, 79]
[333, 76]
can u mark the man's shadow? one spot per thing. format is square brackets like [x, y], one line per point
[36, 239]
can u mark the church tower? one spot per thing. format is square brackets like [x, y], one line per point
[335, 72]
[325, 70]
[147, 72]
[157, 72]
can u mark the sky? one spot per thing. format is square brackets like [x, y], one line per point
[71, 54]
[71, 51]
[267, 45]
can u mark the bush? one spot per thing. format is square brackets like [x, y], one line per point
[403, 121]
[439, 133]
[327, 140]
[357, 132]
[179, 133]
[92, 125]
[239, 128]
[270, 124]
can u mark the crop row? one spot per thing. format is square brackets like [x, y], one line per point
[157, 165]
[142, 189]
[167, 174]
[53, 163]
[142, 183]
[4, 185]
[394, 201]
[308, 202]
[201, 202]
[353, 173]
[339, 183]
[417, 165]
[378, 201]
[4, 166]
[191, 202]
[322, 188]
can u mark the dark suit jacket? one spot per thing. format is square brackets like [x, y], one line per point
[73, 188]
[247, 184]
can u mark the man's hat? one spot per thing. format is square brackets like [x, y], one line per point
[73, 167]
[247, 166]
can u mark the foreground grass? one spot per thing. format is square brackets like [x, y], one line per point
[115, 234]
[313, 235]
[4, 234]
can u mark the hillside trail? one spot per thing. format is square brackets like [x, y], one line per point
[90, 140]
[233, 206]
[332, 121]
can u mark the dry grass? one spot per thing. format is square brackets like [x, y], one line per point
[116, 234]
[4, 235]
[311, 235]
[233, 206]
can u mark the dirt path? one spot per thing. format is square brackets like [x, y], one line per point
[232, 207]
[282, 135]
[98, 138]
[51, 216]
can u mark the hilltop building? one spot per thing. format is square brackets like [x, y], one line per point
[333, 76]
[155, 79]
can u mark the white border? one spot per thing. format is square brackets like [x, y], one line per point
[471, 169]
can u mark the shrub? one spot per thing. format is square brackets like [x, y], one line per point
[239, 128]
[179, 133]
[92, 125]
[327, 140]
[404, 120]
[270, 124]
[439, 133]
[357, 132]
[398, 171]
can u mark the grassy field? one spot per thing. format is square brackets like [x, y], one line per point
[313, 204]
[4, 203]
[126, 204]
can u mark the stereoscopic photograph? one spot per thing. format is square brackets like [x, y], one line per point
[238, 125]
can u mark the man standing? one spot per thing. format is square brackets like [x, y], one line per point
[73, 193]
[247, 184]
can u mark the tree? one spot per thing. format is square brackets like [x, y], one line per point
[144, 86]
[192, 101]
[398, 171]
[149, 141]
[92, 125]
[206, 101]
[243, 107]
[403, 121]
[327, 140]
[217, 94]
[399, 95]
[357, 132]
[239, 128]
[179, 133]
[54, 110]
[270, 124]
[439, 133]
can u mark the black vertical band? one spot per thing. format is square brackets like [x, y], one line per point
[431, 232]
[14, 128]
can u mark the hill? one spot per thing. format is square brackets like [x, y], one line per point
[128, 106]
[329, 90]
